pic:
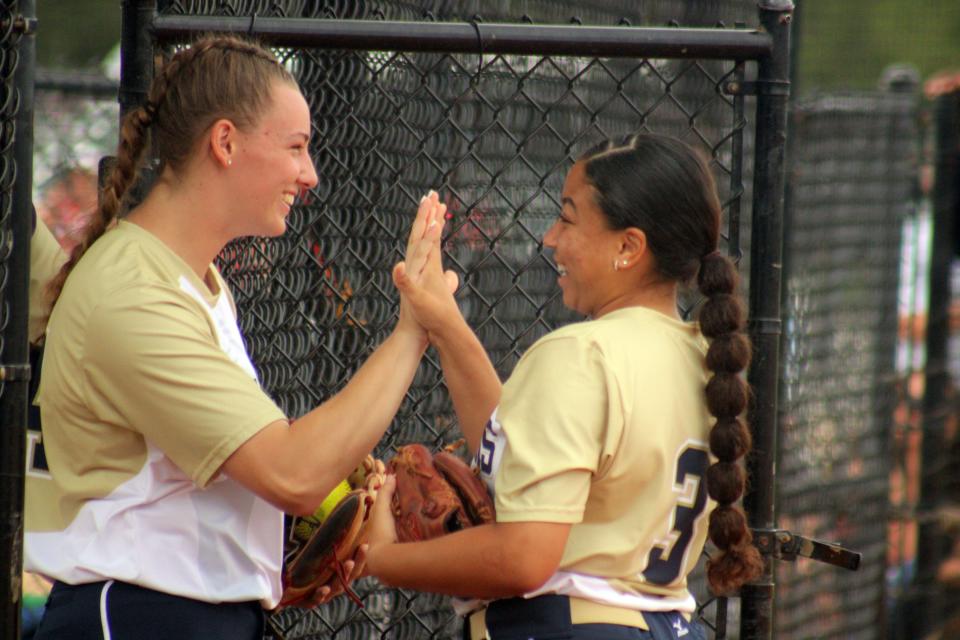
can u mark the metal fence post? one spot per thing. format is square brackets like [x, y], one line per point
[136, 73]
[14, 366]
[773, 88]
[136, 53]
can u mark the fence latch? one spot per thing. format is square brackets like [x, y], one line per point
[22, 25]
[757, 87]
[787, 546]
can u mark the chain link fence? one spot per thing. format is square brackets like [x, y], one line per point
[495, 135]
[928, 441]
[853, 185]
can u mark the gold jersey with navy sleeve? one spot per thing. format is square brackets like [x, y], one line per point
[146, 390]
[604, 425]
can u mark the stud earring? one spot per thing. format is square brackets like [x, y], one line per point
[229, 161]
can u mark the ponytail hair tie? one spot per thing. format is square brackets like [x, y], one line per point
[716, 253]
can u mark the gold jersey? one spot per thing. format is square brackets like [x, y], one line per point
[604, 425]
[146, 390]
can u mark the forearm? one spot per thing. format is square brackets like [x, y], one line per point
[479, 562]
[472, 381]
[339, 432]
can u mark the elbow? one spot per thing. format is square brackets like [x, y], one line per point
[299, 505]
[530, 578]
[522, 570]
[528, 571]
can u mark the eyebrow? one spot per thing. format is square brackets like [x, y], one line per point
[568, 201]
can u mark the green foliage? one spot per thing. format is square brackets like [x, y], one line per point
[76, 34]
[846, 44]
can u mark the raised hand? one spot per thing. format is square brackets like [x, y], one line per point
[426, 291]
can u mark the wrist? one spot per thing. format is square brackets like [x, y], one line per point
[374, 560]
[455, 334]
[412, 335]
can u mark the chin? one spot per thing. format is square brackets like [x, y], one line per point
[276, 229]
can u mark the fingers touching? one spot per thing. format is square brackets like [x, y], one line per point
[424, 244]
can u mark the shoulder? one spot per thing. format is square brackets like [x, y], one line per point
[571, 341]
[124, 269]
[626, 330]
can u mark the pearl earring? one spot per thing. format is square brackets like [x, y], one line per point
[229, 161]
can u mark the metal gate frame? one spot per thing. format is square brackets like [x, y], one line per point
[17, 60]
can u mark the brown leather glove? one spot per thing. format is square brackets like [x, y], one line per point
[325, 545]
[436, 494]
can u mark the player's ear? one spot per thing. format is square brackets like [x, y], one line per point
[632, 249]
[221, 141]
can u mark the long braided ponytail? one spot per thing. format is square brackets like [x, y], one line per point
[721, 322]
[664, 187]
[221, 76]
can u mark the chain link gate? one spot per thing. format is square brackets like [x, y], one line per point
[492, 116]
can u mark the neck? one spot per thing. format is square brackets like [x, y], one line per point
[659, 296]
[184, 218]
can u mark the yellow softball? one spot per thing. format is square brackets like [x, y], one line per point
[332, 500]
[306, 525]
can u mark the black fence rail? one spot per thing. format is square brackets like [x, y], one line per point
[853, 185]
[492, 116]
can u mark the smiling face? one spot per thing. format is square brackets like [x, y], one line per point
[584, 248]
[272, 165]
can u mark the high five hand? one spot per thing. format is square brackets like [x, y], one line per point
[426, 291]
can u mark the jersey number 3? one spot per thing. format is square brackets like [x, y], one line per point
[667, 556]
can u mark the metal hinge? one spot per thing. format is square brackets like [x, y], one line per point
[785, 545]
[13, 372]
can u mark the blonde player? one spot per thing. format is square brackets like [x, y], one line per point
[158, 508]
[614, 438]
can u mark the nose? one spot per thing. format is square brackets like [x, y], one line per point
[550, 237]
[308, 174]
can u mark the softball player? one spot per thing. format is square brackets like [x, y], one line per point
[155, 497]
[598, 447]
